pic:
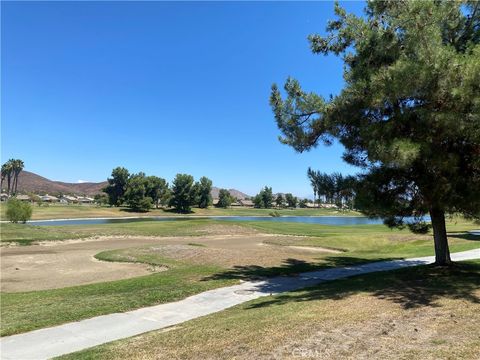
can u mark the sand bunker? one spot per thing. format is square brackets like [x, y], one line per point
[68, 263]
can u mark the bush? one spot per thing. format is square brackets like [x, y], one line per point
[18, 211]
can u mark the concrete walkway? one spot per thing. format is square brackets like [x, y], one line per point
[67, 338]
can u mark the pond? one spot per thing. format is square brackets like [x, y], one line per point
[322, 220]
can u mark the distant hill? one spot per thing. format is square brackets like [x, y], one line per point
[31, 182]
[235, 193]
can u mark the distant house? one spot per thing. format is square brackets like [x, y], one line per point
[214, 202]
[85, 200]
[67, 199]
[329, 206]
[247, 203]
[4, 197]
[49, 198]
[23, 198]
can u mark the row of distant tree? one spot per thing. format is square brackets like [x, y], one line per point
[10, 171]
[333, 188]
[265, 199]
[141, 192]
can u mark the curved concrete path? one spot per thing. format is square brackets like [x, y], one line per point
[67, 338]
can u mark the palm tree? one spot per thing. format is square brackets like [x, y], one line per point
[10, 170]
[337, 180]
[7, 170]
[314, 182]
[18, 166]
[4, 175]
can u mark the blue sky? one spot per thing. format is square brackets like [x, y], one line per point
[162, 88]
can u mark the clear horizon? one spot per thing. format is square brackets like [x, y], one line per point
[162, 88]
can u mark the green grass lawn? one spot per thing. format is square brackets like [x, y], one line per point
[366, 242]
[58, 211]
[454, 224]
[415, 313]
[32, 310]
[27, 311]
[26, 234]
[333, 235]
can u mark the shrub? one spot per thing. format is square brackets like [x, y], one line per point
[18, 211]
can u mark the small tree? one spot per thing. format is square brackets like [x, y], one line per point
[135, 195]
[280, 201]
[157, 189]
[264, 199]
[184, 193]
[18, 211]
[258, 201]
[224, 198]
[267, 196]
[303, 203]
[101, 199]
[204, 192]
[291, 200]
[117, 185]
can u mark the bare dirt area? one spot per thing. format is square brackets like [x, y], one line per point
[60, 264]
[382, 330]
[221, 229]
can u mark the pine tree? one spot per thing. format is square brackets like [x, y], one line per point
[409, 113]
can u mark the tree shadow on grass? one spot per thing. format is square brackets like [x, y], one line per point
[464, 236]
[174, 211]
[129, 210]
[289, 267]
[410, 288]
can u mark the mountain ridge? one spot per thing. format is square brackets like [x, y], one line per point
[29, 182]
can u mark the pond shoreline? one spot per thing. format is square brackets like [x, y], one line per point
[196, 217]
[318, 220]
[184, 217]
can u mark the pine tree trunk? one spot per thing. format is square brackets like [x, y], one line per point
[442, 252]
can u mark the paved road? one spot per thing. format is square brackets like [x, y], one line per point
[67, 338]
